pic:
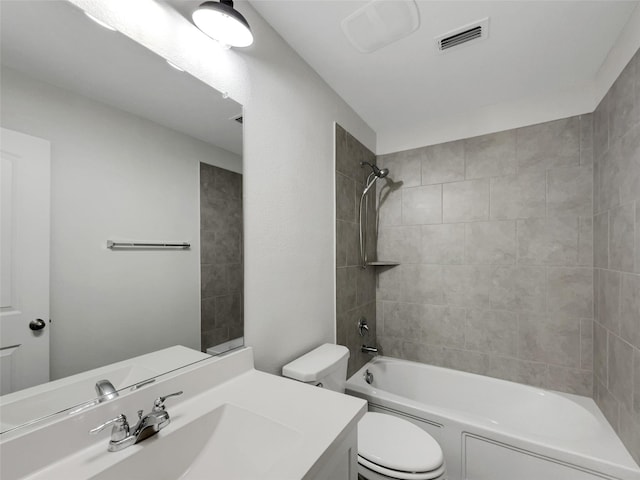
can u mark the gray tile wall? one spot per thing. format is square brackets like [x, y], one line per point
[495, 239]
[616, 221]
[221, 281]
[355, 286]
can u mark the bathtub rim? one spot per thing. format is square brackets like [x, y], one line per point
[625, 465]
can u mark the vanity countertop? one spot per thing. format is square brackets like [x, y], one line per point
[308, 421]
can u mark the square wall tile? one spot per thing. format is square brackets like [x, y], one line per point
[347, 244]
[570, 191]
[608, 300]
[600, 353]
[411, 283]
[389, 205]
[548, 241]
[636, 385]
[610, 178]
[443, 163]
[345, 198]
[214, 280]
[442, 244]
[571, 380]
[549, 145]
[623, 107]
[391, 346]
[601, 240]
[637, 235]
[630, 309]
[465, 360]
[552, 339]
[570, 291]
[349, 153]
[365, 285]
[467, 285]
[585, 241]
[620, 369]
[597, 187]
[220, 246]
[402, 320]
[586, 139]
[518, 196]
[346, 292]
[519, 288]
[515, 370]
[465, 201]
[601, 128]
[404, 166]
[429, 354]
[630, 165]
[492, 331]
[490, 155]
[621, 237]
[607, 403]
[422, 205]
[401, 244]
[630, 433]
[490, 242]
[427, 324]
[586, 344]
[208, 313]
[443, 325]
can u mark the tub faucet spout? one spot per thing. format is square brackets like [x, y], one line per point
[371, 350]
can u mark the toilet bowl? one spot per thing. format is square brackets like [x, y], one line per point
[389, 448]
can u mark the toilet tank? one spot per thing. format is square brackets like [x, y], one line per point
[326, 365]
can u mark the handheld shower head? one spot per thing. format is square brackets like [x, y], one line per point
[376, 171]
[375, 175]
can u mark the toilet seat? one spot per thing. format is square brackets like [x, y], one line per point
[397, 475]
[397, 448]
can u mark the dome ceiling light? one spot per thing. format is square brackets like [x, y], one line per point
[222, 22]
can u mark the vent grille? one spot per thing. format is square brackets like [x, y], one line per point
[473, 32]
[460, 38]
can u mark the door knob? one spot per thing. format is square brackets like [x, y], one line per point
[37, 324]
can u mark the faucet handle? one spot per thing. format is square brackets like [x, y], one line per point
[120, 427]
[158, 404]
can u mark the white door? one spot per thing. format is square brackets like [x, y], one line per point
[24, 261]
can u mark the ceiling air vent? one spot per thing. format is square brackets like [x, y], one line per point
[475, 31]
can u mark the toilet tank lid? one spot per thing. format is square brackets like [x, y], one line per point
[316, 364]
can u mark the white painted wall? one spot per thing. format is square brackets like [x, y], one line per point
[115, 176]
[288, 169]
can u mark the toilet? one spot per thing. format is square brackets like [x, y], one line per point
[389, 448]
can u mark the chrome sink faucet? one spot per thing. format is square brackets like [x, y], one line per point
[123, 436]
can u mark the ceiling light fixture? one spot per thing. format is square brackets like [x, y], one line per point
[223, 23]
[100, 22]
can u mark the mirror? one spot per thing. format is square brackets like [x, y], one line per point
[103, 140]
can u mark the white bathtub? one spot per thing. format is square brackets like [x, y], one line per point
[492, 429]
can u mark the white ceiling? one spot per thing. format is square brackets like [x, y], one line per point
[55, 42]
[535, 48]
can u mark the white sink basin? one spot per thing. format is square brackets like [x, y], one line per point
[229, 442]
[232, 423]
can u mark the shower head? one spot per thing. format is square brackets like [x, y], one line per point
[376, 171]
